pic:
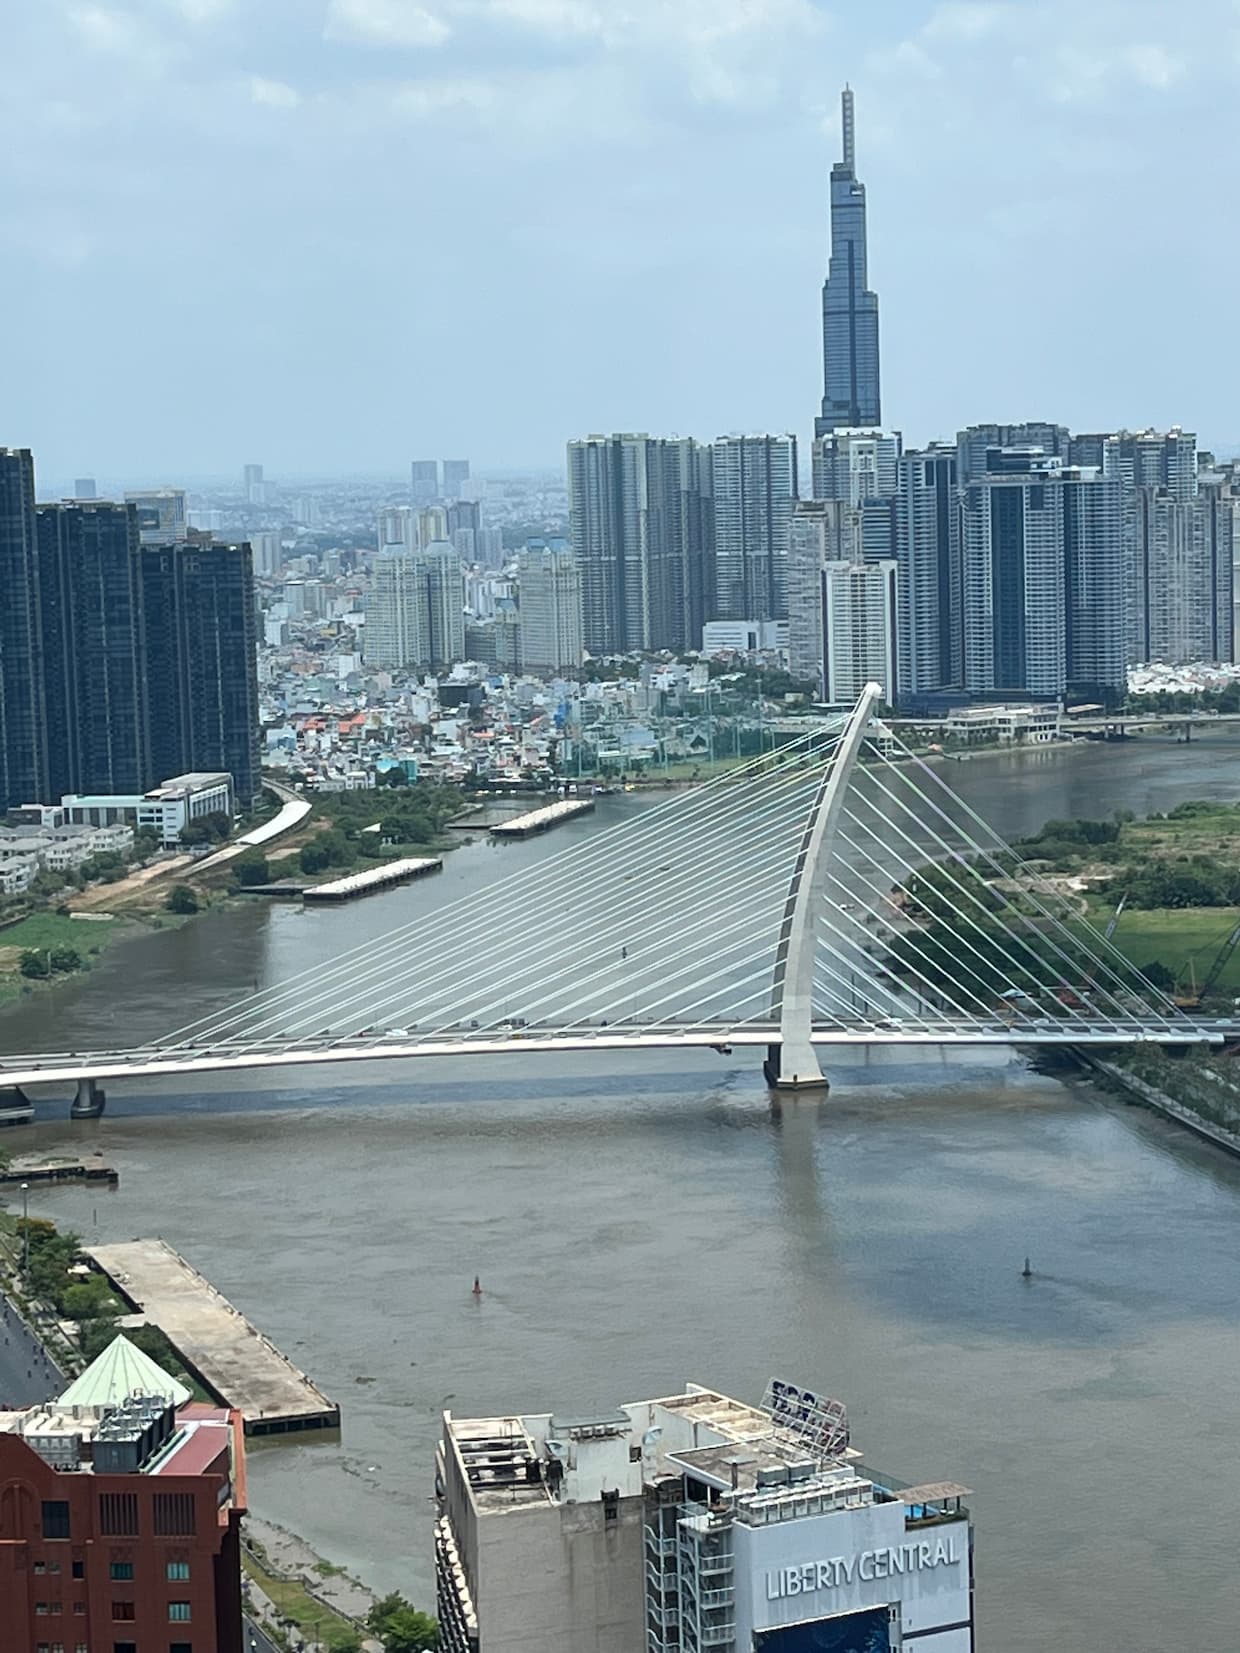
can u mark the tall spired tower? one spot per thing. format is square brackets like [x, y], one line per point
[849, 309]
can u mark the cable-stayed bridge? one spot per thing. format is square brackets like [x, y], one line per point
[832, 892]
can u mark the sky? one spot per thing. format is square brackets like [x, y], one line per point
[334, 235]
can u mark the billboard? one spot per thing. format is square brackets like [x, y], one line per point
[815, 1421]
[864, 1632]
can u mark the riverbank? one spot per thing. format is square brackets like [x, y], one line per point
[58, 934]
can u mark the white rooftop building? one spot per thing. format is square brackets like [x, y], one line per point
[689, 1523]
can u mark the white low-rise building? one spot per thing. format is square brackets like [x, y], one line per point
[693, 1522]
[62, 848]
[983, 725]
[166, 809]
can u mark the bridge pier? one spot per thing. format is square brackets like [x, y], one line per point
[89, 1101]
[787, 1068]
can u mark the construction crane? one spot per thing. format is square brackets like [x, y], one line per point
[1192, 1001]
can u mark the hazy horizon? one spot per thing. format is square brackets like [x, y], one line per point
[331, 236]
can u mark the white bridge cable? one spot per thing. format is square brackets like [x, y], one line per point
[472, 916]
[970, 895]
[455, 976]
[657, 915]
[539, 996]
[1057, 927]
[911, 936]
[934, 990]
[980, 885]
[593, 918]
[1128, 969]
[544, 872]
[875, 971]
[1029, 890]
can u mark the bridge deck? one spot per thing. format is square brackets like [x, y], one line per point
[228, 1354]
[152, 1062]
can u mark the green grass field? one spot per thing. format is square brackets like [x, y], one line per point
[53, 930]
[43, 931]
[1185, 939]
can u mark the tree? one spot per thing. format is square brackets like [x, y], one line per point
[251, 869]
[181, 899]
[65, 960]
[34, 964]
[401, 1627]
[89, 1299]
[395, 777]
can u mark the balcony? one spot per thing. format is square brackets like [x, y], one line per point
[717, 1635]
[660, 1544]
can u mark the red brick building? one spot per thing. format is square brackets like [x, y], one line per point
[119, 1518]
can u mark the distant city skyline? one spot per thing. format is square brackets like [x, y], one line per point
[997, 139]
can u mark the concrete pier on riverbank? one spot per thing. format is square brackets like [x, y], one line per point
[542, 820]
[227, 1355]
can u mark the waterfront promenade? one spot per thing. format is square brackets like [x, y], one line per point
[218, 1344]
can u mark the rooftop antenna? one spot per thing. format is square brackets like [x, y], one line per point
[850, 129]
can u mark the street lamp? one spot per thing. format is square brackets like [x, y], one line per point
[26, 1235]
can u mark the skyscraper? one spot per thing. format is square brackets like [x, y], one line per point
[394, 636]
[975, 444]
[550, 593]
[821, 531]
[1012, 536]
[84, 488]
[415, 614]
[23, 723]
[931, 647]
[849, 309]
[1094, 575]
[162, 516]
[201, 661]
[1184, 576]
[455, 473]
[858, 629]
[424, 480]
[754, 480]
[641, 531]
[93, 649]
[253, 484]
[856, 465]
[440, 565]
[397, 528]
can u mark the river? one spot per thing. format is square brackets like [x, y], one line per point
[663, 1220]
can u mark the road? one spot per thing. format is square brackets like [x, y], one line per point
[27, 1375]
[256, 1638]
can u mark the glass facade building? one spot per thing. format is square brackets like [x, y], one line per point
[95, 684]
[849, 310]
[201, 661]
[23, 722]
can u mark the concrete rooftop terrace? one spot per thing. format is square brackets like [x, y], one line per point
[228, 1355]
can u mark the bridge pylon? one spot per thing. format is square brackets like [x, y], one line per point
[793, 1063]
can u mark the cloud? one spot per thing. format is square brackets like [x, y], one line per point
[119, 34]
[384, 23]
[1152, 65]
[423, 99]
[966, 20]
[202, 11]
[273, 94]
